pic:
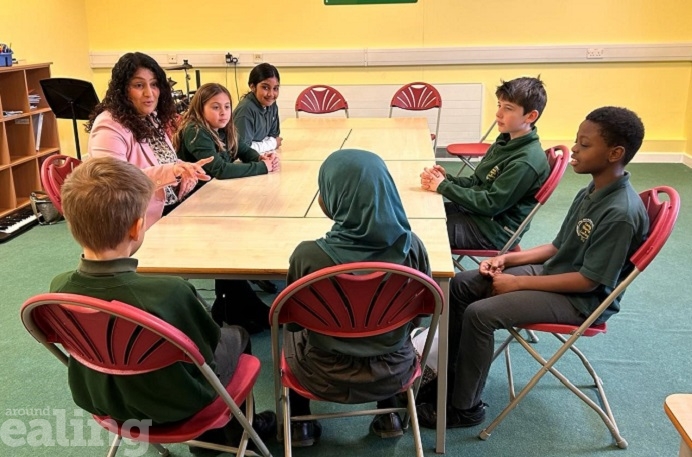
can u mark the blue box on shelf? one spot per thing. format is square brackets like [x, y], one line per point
[5, 59]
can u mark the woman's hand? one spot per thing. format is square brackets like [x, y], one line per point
[271, 160]
[189, 173]
[278, 141]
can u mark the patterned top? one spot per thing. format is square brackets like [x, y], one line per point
[164, 154]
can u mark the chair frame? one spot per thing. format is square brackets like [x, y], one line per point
[309, 295]
[58, 319]
[467, 151]
[662, 216]
[54, 175]
[320, 99]
[558, 165]
[418, 96]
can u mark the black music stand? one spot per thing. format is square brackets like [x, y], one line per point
[70, 99]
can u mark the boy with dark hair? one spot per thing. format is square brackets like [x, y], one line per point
[561, 282]
[488, 206]
[105, 202]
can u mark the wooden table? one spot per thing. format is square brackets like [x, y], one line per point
[392, 143]
[286, 193]
[311, 144]
[678, 407]
[418, 203]
[253, 247]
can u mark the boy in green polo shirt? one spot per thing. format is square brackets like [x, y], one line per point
[488, 206]
[105, 202]
[561, 282]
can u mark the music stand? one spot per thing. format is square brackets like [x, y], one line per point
[70, 99]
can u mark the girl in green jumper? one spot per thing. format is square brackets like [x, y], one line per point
[206, 130]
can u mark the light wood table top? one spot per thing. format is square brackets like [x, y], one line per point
[311, 144]
[286, 193]
[237, 247]
[418, 203]
[392, 143]
[353, 123]
[678, 407]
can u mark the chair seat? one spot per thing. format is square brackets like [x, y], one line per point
[468, 149]
[214, 415]
[289, 380]
[565, 329]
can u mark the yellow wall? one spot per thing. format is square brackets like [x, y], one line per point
[660, 92]
[50, 31]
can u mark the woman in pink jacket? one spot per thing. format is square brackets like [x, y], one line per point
[130, 124]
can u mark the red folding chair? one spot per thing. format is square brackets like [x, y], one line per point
[321, 99]
[54, 171]
[469, 151]
[662, 217]
[120, 340]
[353, 300]
[418, 97]
[558, 158]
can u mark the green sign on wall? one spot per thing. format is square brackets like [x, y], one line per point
[365, 2]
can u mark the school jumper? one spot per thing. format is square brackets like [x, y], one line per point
[499, 194]
[600, 233]
[166, 395]
[257, 126]
[198, 144]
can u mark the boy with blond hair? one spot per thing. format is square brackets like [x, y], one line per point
[105, 202]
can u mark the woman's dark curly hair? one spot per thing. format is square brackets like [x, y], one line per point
[121, 108]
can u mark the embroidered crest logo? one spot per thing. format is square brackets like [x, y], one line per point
[584, 228]
[492, 174]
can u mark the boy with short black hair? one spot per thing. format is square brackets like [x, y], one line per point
[105, 202]
[562, 282]
[488, 206]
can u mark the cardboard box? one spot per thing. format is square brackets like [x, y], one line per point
[5, 59]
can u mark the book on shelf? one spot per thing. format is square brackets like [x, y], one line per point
[37, 121]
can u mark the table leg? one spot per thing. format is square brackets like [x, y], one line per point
[442, 370]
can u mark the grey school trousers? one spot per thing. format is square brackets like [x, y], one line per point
[474, 317]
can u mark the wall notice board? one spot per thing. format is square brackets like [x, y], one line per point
[365, 2]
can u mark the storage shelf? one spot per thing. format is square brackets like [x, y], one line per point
[20, 159]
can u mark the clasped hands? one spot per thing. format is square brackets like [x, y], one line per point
[502, 282]
[271, 160]
[431, 178]
[189, 173]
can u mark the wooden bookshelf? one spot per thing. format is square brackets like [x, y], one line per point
[20, 158]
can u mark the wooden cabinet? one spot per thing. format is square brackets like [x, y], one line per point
[26, 138]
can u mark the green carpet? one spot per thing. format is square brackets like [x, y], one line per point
[643, 358]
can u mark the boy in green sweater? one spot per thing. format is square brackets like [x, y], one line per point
[487, 207]
[105, 202]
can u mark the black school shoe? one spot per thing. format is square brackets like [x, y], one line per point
[264, 424]
[456, 418]
[387, 426]
[305, 433]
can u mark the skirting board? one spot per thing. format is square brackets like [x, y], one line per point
[369, 57]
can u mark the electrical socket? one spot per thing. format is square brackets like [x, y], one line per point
[172, 59]
[594, 53]
[230, 59]
[257, 58]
